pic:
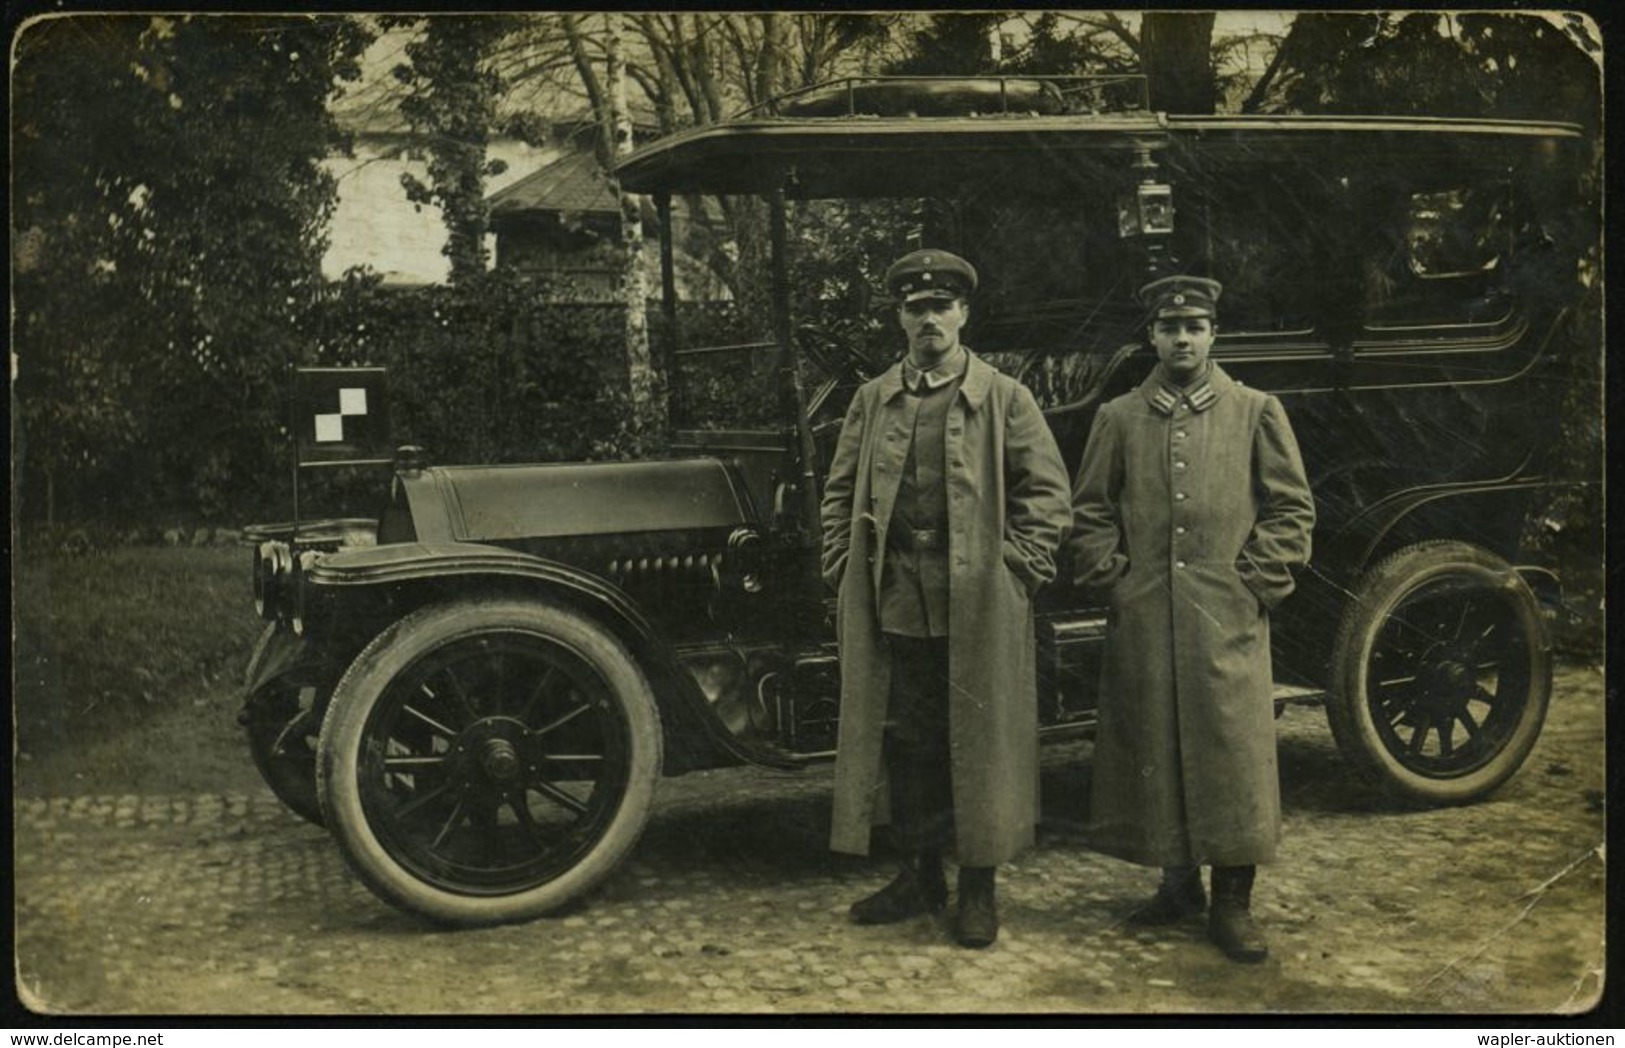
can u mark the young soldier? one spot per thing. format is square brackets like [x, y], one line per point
[1192, 511]
[946, 500]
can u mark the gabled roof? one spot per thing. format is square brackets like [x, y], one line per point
[574, 182]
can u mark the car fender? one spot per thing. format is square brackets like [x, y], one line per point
[427, 571]
[1488, 513]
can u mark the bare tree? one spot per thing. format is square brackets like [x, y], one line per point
[609, 102]
[1176, 53]
[646, 408]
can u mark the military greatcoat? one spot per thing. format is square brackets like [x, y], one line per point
[1008, 509]
[1192, 509]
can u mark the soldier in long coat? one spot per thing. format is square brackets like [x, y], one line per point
[1192, 511]
[945, 503]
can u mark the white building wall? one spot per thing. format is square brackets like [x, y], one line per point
[376, 227]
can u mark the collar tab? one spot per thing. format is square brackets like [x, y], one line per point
[1164, 396]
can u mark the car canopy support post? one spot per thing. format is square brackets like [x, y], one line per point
[790, 371]
[673, 342]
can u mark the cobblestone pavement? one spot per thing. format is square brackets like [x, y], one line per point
[228, 904]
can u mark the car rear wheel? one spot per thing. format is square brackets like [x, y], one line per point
[489, 760]
[282, 721]
[1441, 674]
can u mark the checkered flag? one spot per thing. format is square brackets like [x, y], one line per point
[341, 416]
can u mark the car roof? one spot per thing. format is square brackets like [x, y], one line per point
[892, 153]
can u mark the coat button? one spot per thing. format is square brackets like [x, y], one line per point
[1180, 530]
[1179, 465]
[1179, 564]
[1179, 496]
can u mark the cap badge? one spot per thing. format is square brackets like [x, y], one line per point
[1179, 300]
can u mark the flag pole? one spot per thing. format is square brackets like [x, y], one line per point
[294, 403]
[295, 409]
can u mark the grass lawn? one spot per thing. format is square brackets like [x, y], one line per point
[130, 638]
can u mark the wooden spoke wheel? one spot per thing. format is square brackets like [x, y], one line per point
[489, 761]
[1442, 674]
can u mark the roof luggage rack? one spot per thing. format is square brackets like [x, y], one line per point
[961, 96]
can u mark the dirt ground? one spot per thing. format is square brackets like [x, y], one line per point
[156, 876]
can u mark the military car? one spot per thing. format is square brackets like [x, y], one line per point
[477, 684]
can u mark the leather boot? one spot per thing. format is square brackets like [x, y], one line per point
[1180, 896]
[1230, 922]
[976, 923]
[919, 887]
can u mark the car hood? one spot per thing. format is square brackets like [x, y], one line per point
[496, 503]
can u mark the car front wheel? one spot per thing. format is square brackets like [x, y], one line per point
[1441, 674]
[489, 760]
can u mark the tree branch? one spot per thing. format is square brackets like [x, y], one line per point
[1255, 97]
[594, 88]
[705, 78]
[663, 41]
[1112, 25]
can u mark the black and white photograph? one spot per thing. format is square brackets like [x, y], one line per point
[1066, 514]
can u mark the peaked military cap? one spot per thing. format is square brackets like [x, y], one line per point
[1181, 296]
[930, 273]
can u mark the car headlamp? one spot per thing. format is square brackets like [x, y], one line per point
[273, 573]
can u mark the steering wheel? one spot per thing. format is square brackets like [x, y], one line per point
[838, 357]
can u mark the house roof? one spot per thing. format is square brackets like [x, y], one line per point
[574, 182]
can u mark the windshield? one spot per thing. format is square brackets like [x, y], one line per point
[1056, 287]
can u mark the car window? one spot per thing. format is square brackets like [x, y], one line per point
[1264, 232]
[1056, 277]
[1438, 259]
[1455, 232]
